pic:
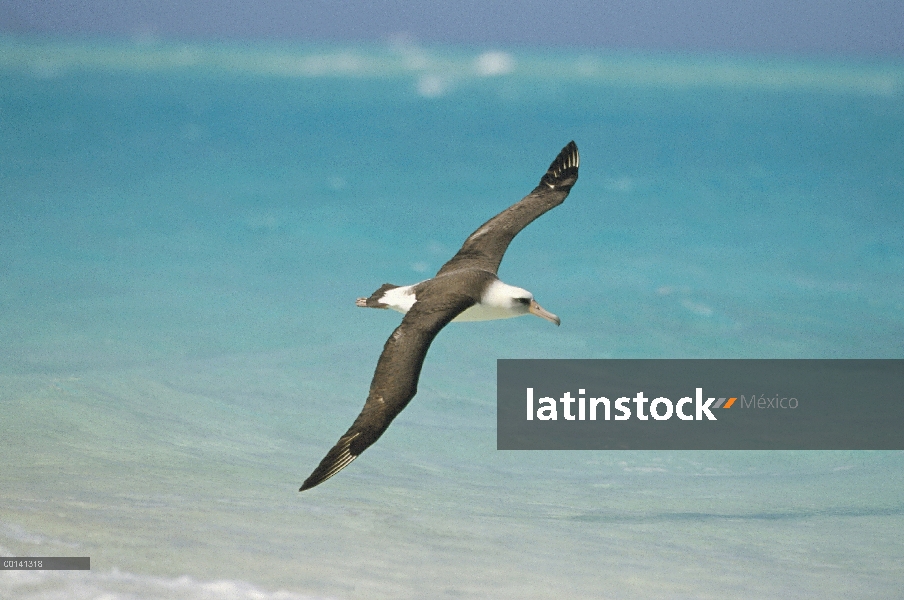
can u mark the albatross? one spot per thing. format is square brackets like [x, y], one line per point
[465, 289]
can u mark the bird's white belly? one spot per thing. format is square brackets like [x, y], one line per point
[402, 302]
[482, 312]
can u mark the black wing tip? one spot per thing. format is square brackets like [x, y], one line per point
[322, 473]
[563, 171]
[339, 457]
[311, 482]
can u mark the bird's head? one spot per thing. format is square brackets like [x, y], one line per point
[521, 302]
[530, 306]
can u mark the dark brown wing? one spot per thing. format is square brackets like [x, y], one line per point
[395, 379]
[484, 248]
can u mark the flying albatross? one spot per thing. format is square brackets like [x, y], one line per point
[465, 289]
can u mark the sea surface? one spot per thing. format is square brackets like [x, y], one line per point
[184, 229]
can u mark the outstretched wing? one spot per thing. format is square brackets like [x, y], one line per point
[484, 248]
[395, 379]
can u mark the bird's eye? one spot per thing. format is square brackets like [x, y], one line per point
[523, 300]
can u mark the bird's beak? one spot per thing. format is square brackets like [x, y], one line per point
[536, 309]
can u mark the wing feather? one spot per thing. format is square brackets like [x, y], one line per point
[485, 247]
[396, 376]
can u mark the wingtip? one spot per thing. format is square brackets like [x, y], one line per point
[569, 155]
[563, 171]
[339, 457]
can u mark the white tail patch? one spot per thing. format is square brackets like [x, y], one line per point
[400, 299]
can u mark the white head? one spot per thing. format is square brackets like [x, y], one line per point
[513, 302]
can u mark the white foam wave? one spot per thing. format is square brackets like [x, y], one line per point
[491, 64]
[434, 70]
[116, 585]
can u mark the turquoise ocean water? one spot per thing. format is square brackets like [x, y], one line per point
[183, 232]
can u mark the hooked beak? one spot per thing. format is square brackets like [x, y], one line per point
[536, 309]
